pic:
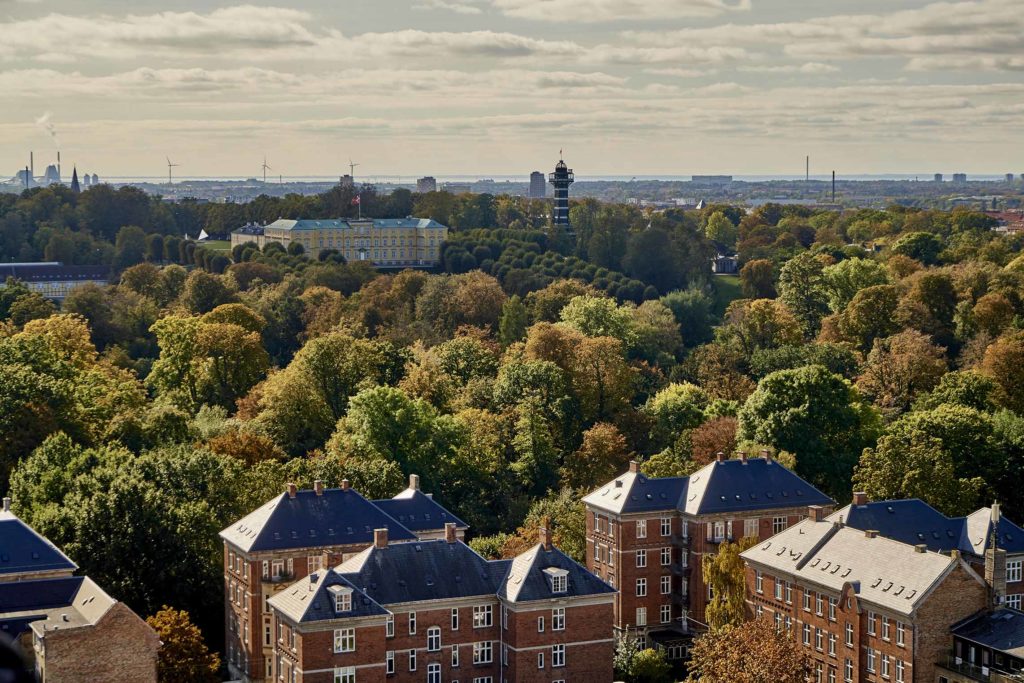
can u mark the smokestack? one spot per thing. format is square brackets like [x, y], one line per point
[32, 165]
[807, 177]
[60, 178]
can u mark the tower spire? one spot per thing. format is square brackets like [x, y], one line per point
[75, 187]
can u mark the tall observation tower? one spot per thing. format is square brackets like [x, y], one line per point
[562, 178]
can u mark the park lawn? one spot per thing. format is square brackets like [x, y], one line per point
[216, 245]
[727, 290]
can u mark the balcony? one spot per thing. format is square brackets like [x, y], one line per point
[679, 569]
[680, 541]
[982, 674]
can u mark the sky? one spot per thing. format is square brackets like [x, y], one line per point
[498, 87]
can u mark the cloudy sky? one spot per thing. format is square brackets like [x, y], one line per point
[626, 87]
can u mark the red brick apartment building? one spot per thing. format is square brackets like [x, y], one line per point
[646, 537]
[436, 611]
[69, 629]
[298, 533]
[878, 603]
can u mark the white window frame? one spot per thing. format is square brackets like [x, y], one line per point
[666, 585]
[389, 662]
[779, 524]
[455, 618]
[641, 528]
[641, 558]
[483, 616]
[412, 623]
[557, 656]
[342, 674]
[641, 616]
[433, 673]
[666, 526]
[540, 660]
[540, 624]
[389, 626]
[1014, 570]
[641, 588]
[558, 619]
[412, 659]
[344, 640]
[666, 557]
[434, 639]
[483, 652]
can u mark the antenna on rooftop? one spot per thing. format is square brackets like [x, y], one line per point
[170, 178]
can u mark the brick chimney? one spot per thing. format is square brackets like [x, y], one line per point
[860, 498]
[815, 513]
[545, 533]
[7, 504]
[292, 489]
[995, 562]
[414, 482]
[318, 487]
[345, 486]
[871, 533]
[720, 456]
[449, 532]
[380, 538]
[634, 466]
[743, 457]
[921, 548]
[766, 454]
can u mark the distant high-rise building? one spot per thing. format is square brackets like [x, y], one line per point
[959, 177]
[562, 178]
[426, 184]
[538, 186]
[457, 188]
[1009, 177]
[95, 179]
[347, 180]
[938, 177]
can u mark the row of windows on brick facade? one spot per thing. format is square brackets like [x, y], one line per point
[664, 615]
[606, 525]
[348, 675]
[891, 669]
[716, 531]
[665, 586]
[641, 557]
[784, 593]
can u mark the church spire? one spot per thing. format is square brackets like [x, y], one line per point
[75, 187]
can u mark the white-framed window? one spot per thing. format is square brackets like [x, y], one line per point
[759, 581]
[871, 660]
[641, 558]
[540, 624]
[434, 639]
[482, 616]
[819, 639]
[412, 660]
[871, 623]
[540, 660]
[832, 644]
[504, 617]
[315, 563]
[750, 527]
[345, 674]
[1014, 570]
[901, 633]
[482, 679]
[819, 604]
[666, 614]
[343, 601]
[666, 585]
[779, 524]
[719, 531]
[832, 604]
[558, 619]
[778, 621]
[599, 524]
[899, 670]
[455, 656]
[641, 528]
[389, 661]
[807, 600]
[885, 666]
[849, 634]
[412, 623]
[483, 652]
[666, 526]
[885, 628]
[557, 655]
[559, 582]
[831, 674]
[597, 552]
[641, 616]
[666, 557]
[789, 593]
[641, 588]
[1014, 601]
[848, 671]
[389, 626]
[778, 589]
[455, 618]
[344, 640]
[433, 673]
[807, 634]
[817, 673]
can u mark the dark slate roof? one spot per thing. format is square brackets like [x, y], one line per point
[23, 550]
[417, 511]
[47, 604]
[754, 484]
[635, 492]
[916, 522]
[310, 600]
[527, 581]
[338, 517]
[1001, 630]
[16, 596]
[414, 572]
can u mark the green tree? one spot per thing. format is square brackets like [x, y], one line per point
[602, 456]
[871, 314]
[514, 321]
[183, 657]
[843, 280]
[802, 289]
[675, 409]
[920, 246]
[692, 309]
[1004, 363]
[129, 247]
[816, 415]
[722, 230]
[599, 317]
[899, 369]
[757, 279]
[204, 292]
[966, 388]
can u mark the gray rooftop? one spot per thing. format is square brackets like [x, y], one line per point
[1001, 630]
[886, 573]
[347, 224]
[23, 550]
[51, 604]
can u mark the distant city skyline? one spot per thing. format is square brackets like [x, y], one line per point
[465, 87]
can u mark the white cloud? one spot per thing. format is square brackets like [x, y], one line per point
[457, 7]
[617, 10]
[809, 68]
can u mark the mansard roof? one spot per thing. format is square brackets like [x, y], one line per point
[25, 551]
[528, 577]
[418, 511]
[723, 486]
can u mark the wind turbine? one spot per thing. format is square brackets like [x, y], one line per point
[352, 169]
[265, 169]
[170, 180]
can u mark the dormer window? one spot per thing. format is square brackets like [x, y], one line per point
[342, 598]
[558, 578]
